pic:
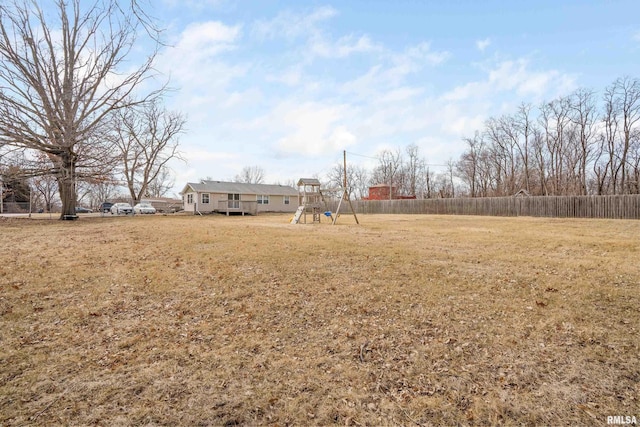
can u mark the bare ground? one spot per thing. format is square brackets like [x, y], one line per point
[403, 320]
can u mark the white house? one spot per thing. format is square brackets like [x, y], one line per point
[238, 197]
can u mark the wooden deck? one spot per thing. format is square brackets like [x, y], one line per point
[243, 207]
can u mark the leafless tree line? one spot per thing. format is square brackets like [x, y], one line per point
[567, 146]
[68, 105]
[251, 175]
[578, 144]
[41, 189]
[406, 171]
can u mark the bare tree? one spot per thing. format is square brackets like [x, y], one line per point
[102, 190]
[468, 166]
[497, 155]
[388, 170]
[360, 182]
[47, 189]
[43, 181]
[162, 184]
[555, 122]
[539, 162]
[526, 131]
[15, 189]
[508, 144]
[610, 162]
[414, 170]
[147, 139]
[443, 185]
[429, 178]
[451, 174]
[624, 95]
[251, 175]
[357, 180]
[634, 163]
[61, 72]
[583, 117]
[565, 147]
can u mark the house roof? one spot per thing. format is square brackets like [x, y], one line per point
[241, 188]
[308, 181]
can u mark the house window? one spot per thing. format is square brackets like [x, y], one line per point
[233, 201]
[286, 200]
[205, 198]
[263, 200]
[190, 199]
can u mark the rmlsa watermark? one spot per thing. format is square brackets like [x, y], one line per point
[622, 420]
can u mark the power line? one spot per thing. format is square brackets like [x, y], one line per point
[376, 158]
[362, 155]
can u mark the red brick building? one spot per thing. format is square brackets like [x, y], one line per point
[381, 192]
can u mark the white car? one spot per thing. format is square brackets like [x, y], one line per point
[144, 208]
[121, 208]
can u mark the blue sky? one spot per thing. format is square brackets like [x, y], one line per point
[289, 85]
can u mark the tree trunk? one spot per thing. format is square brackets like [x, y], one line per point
[66, 166]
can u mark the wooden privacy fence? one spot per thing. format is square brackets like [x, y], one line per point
[620, 206]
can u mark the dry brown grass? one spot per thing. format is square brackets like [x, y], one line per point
[402, 320]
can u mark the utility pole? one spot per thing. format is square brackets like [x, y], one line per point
[344, 177]
[345, 194]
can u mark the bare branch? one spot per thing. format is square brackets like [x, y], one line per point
[251, 175]
[62, 73]
[147, 139]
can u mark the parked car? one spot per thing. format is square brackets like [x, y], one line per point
[144, 208]
[80, 209]
[105, 207]
[121, 208]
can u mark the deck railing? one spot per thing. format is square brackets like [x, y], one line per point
[238, 206]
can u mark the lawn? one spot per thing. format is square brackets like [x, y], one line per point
[402, 320]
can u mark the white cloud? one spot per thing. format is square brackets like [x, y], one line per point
[465, 92]
[290, 25]
[193, 4]
[207, 39]
[512, 76]
[310, 128]
[516, 75]
[537, 83]
[459, 120]
[386, 80]
[636, 36]
[239, 98]
[290, 77]
[200, 163]
[483, 44]
[201, 155]
[193, 60]
[343, 47]
[412, 60]
[196, 67]
[340, 138]
[404, 94]
[435, 149]
[422, 53]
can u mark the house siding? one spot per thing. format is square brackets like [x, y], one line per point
[276, 204]
[276, 201]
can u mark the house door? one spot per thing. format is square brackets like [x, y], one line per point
[233, 201]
